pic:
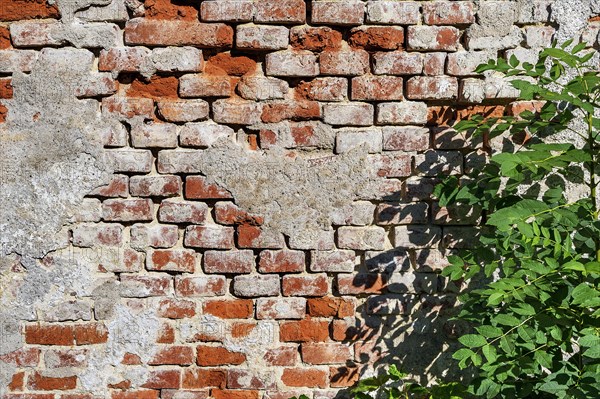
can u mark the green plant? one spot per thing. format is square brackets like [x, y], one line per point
[536, 322]
[393, 384]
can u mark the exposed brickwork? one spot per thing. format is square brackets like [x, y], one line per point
[179, 284]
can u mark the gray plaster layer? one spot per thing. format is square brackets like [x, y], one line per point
[299, 195]
[51, 157]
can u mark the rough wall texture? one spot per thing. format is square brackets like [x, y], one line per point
[233, 198]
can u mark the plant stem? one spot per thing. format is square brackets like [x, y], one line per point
[592, 184]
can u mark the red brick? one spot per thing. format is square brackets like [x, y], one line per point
[182, 212]
[323, 89]
[127, 210]
[28, 396]
[4, 38]
[448, 13]
[141, 394]
[394, 164]
[229, 308]
[315, 38]
[213, 236]
[312, 285]
[163, 379]
[227, 64]
[304, 331]
[300, 377]
[290, 110]
[280, 11]
[375, 38]
[362, 283]
[237, 262]
[117, 187]
[176, 308]
[518, 107]
[258, 237]
[234, 394]
[325, 353]
[441, 38]
[157, 87]
[229, 213]
[155, 186]
[131, 359]
[17, 381]
[144, 286]
[181, 394]
[331, 307]
[175, 355]
[217, 356]
[169, 9]
[89, 334]
[49, 335]
[377, 88]
[15, 10]
[38, 382]
[434, 64]
[149, 32]
[282, 356]
[343, 376]
[166, 334]
[59, 358]
[24, 357]
[200, 286]
[197, 187]
[176, 260]
[6, 89]
[203, 378]
[282, 261]
[338, 12]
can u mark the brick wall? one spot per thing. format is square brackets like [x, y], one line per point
[232, 199]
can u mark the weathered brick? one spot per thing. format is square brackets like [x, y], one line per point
[262, 37]
[172, 260]
[155, 186]
[282, 356]
[123, 59]
[228, 213]
[280, 308]
[183, 110]
[338, 13]
[280, 11]
[539, 36]
[402, 113]
[243, 378]
[40, 382]
[237, 262]
[137, 394]
[304, 331]
[357, 213]
[194, 378]
[395, 214]
[387, 261]
[292, 63]
[436, 38]
[348, 114]
[397, 63]
[17, 60]
[160, 379]
[227, 11]
[434, 63]
[295, 110]
[261, 88]
[432, 87]
[61, 358]
[25, 357]
[324, 89]
[377, 88]
[393, 12]
[388, 305]
[332, 261]
[201, 286]
[177, 59]
[315, 38]
[417, 236]
[173, 355]
[176, 309]
[349, 138]
[405, 138]
[127, 210]
[136, 286]
[229, 308]
[148, 32]
[375, 38]
[311, 285]
[173, 211]
[198, 187]
[258, 237]
[36, 33]
[217, 356]
[305, 377]
[213, 236]
[125, 108]
[92, 234]
[344, 62]
[281, 261]
[434, 163]
[236, 111]
[203, 134]
[463, 63]
[184, 394]
[202, 85]
[4, 38]
[234, 394]
[361, 238]
[448, 13]
[254, 286]
[361, 283]
[325, 353]
[332, 307]
[392, 164]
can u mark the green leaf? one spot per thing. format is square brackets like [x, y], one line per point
[472, 340]
[506, 320]
[489, 331]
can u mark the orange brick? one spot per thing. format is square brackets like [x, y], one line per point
[217, 356]
[88, 334]
[203, 378]
[230, 309]
[38, 382]
[299, 377]
[49, 335]
[304, 331]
